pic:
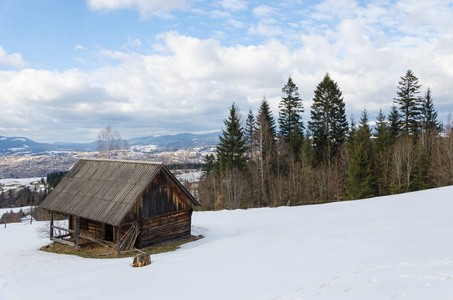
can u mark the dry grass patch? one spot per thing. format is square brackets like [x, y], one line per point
[89, 249]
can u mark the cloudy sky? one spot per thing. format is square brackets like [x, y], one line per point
[150, 67]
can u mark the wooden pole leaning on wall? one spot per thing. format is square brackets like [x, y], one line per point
[51, 225]
[77, 232]
[118, 240]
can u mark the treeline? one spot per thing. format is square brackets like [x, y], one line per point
[327, 158]
[22, 197]
[54, 178]
[30, 196]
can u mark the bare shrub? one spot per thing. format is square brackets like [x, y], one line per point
[44, 229]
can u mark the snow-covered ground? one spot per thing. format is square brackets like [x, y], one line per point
[190, 176]
[7, 184]
[25, 209]
[398, 247]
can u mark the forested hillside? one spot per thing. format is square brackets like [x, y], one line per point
[327, 158]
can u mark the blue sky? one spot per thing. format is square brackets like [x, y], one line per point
[147, 67]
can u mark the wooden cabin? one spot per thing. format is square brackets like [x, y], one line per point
[131, 203]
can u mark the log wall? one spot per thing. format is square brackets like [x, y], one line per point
[163, 196]
[165, 227]
[88, 227]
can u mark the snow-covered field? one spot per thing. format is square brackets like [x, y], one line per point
[398, 247]
[190, 176]
[25, 209]
[7, 184]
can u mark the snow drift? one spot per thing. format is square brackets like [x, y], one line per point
[380, 248]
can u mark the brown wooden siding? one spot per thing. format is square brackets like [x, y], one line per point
[163, 196]
[134, 214]
[89, 227]
[165, 227]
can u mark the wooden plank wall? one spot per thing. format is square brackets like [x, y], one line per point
[163, 196]
[88, 227]
[95, 229]
[166, 227]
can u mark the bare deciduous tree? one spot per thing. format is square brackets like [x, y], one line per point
[110, 140]
[442, 158]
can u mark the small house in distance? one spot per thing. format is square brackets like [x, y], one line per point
[130, 203]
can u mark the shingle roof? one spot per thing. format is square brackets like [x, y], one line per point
[104, 190]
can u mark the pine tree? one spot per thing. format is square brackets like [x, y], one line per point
[409, 102]
[382, 134]
[328, 121]
[266, 130]
[394, 123]
[265, 111]
[231, 148]
[430, 123]
[290, 119]
[249, 133]
[430, 129]
[383, 143]
[352, 130]
[359, 173]
[266, 134]
[209, 165]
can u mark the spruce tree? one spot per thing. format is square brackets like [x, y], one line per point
[231, 148]
[430, 123]
[290, 119]
[249, 133]
[394, 123]
[328, 121]
[382, 132]
[359, 172]
[266, 134]
[430, 129]
[209, 165]
[382, 153]
[409, 102]
[266, 130]
[352, 130]
[265, 111]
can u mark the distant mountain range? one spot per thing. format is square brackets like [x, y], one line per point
[23, 146]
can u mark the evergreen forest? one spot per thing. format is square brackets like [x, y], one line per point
[328, 157]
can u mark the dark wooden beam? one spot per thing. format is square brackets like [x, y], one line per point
[62, 241]
[64, 229]
[118, 239]
[77, 232]
[51, 225]
[93, 239]
[62, 236]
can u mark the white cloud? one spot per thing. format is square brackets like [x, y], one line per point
[219, 14]
[264, 11]
[335, 9]
[134, 43]
[235, 23]
[79, 47]
[270, 22]
[191, 86]
[145, 7]
[11, 60]
[233, 5]
[266, 28]
[189, 83]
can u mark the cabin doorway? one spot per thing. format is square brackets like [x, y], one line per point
[109, 232]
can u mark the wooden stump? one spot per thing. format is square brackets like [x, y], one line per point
[141, 260]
